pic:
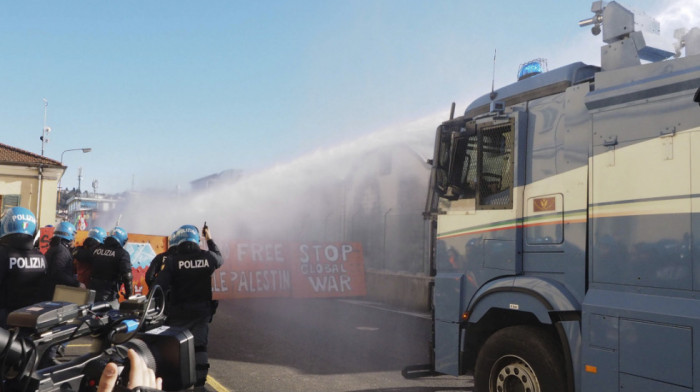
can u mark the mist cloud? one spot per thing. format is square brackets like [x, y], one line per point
[302, 198]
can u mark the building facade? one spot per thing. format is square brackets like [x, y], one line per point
[85, 210]
[31, 181]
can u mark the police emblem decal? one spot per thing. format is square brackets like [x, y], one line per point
[543, 204]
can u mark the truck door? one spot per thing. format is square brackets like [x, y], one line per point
[496, 196]
[479, 230]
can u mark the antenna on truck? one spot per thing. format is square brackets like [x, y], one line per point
[493, 77]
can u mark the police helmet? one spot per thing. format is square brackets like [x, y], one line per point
[188, 233]
[120, 235]
[18, 220]
[65, 230]
[97, 233]
[174, 239]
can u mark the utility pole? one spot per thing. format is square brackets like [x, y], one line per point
[80, 177]
[45, 131]
[44, 139]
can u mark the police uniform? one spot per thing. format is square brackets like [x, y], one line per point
[111, 266]
[23, 275]
[157, 262]
[186, 277]
[81, 260]
[83, 253]
[60, 267]
[157, 265]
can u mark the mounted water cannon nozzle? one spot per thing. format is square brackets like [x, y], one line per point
[624, 33]
[596, 20]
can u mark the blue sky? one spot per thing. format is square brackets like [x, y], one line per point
[165, 92]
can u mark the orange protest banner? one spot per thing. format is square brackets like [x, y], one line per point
[327, 270]
[276, 269]
[143, 248]
[257, 269]
[45, 234]
[253, 270]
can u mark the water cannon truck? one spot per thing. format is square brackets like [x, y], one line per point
[565, 220]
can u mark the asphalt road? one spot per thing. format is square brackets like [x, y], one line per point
[320, 345]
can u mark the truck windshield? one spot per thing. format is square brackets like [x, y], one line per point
[475, 162]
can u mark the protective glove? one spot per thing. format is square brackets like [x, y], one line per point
[128, 291]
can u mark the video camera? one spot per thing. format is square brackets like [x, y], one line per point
[28, 349]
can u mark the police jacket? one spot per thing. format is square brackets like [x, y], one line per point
[186, 276]
[81, 260]
[59, 263]
[111, 267]
[156, 265]
[23, 275]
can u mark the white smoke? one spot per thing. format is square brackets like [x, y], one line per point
[678, 14]
[274, 203]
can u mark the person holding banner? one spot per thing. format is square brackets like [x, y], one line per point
[23, 279]
[186, 277]
[111, 266]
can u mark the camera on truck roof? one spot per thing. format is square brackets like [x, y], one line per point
[30, 349]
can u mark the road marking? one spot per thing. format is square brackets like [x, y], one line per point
[217, 385]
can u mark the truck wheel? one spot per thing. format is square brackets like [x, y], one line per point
[522, 358]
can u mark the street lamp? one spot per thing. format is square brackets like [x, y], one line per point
[75, 149]
[84, 149]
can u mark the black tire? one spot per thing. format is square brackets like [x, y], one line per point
[521, 358]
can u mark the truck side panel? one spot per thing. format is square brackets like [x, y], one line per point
[640, 316]
[639, 339]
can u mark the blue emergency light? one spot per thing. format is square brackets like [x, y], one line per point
[532, 68]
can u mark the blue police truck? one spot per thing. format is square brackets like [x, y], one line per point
[565, 213]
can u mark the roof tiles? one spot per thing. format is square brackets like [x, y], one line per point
[13, 155]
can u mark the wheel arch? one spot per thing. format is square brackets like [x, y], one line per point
[519, 301]
[540, 296]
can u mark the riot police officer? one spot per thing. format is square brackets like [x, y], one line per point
[23, 279]
[157, 262]
[111, 267]
[59, 257]
[82, 253]
[186, 277]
